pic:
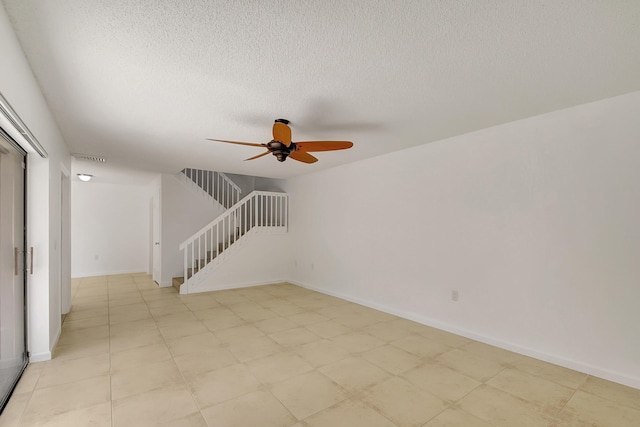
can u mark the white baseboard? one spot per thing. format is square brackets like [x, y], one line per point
[108, 273]
[55, 340]
[44, 356]
[39, 357]
[237, 286]
[576, 365]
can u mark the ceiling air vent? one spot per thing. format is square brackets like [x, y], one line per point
[89, 157]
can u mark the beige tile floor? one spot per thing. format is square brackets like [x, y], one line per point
[132, 354]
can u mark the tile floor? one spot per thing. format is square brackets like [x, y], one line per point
[132, 354]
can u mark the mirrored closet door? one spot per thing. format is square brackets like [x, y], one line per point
[13, 355]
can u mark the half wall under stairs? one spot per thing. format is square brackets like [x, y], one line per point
[232, 249]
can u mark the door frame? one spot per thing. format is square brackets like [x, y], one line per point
[23, 271]
[156, 238]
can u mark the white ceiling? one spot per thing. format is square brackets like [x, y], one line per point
[145, 82]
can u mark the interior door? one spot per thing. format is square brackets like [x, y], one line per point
[13, 355]
[156, 238]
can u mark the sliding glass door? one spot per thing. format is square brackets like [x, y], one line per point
[13, 355]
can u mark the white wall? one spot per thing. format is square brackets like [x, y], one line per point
[110, 228]
[269, 184]
[249, 183]
[44, 209]
[246, 183]
[260, 259]
[535, 223]
[184, 211]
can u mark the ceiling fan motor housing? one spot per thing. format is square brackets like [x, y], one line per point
[281, 155]
[280, 150]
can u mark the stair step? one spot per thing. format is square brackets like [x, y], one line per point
[177, 281]
[191, 272]
[211, 255]
[232, 239]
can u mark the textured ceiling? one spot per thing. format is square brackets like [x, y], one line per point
[145, 82]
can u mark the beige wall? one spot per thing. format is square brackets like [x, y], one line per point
[534, 223]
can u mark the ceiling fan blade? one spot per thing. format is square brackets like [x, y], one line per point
[258, 156]
[311, 146]
[282, 133]
[250, 144]
[302, 156]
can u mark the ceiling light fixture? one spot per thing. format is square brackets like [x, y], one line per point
[84, 177]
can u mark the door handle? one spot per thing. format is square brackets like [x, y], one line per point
[157, 243]
[31, 262]
[15, 260]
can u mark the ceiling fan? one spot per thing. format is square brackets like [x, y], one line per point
[282, 147]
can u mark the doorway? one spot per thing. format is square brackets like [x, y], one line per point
[13, 351]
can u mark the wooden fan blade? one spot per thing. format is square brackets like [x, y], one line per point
[282, 133]
[250, 144]
[302, 156]
[258, 156]
[311, 146]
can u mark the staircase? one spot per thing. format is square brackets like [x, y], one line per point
[260, 212]
[215, 185]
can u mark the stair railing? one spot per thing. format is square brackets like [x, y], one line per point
[258, 212]
[215, 184]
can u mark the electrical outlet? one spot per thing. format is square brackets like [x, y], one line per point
[454, 295]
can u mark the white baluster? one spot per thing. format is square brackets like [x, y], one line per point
[273, 211]
[184, 267]
[279, 210]
[228, 241]
[264, 210]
